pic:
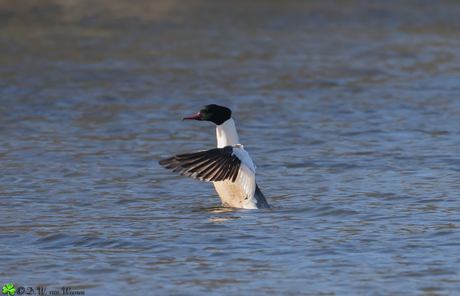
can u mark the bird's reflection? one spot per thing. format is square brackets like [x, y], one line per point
[223, 211]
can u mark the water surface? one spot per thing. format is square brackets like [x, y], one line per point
[349, 109]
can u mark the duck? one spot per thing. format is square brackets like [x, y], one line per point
[229, 167]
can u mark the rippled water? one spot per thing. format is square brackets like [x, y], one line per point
[349, 109]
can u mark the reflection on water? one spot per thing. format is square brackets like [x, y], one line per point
[348, 108]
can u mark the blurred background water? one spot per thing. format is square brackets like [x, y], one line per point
[350, 109]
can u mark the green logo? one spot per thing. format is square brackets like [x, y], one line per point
[9, 289]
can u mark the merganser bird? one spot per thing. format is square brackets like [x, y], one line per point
[228, 166]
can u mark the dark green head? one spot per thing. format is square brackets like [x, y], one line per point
[214, 113]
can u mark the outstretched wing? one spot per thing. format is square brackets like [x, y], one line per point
[213, 165]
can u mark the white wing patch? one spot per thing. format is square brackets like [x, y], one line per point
[246, 174]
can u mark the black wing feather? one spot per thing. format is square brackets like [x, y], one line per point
[214, 165]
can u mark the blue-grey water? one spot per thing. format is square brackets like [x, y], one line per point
[350, 110]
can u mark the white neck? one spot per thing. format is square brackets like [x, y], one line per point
[226, 134]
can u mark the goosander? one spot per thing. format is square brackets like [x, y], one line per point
[229, 167]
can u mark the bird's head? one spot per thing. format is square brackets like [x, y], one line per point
[214, 113]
